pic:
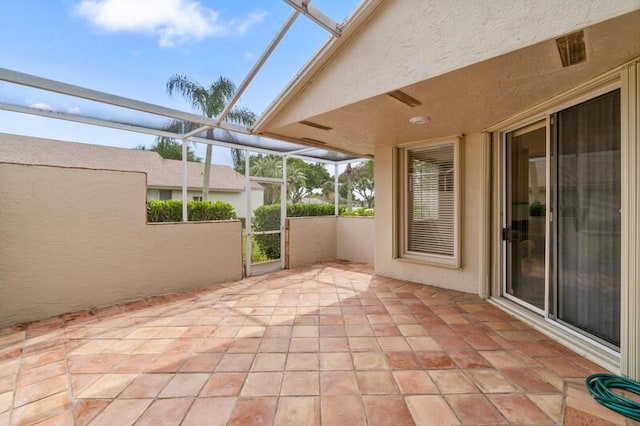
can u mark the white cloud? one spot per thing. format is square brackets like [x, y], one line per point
[172, 21]
[74, 110]
[41, 105]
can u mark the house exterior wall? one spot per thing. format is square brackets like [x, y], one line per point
[467, 277]
[64, 250]
[355, 239]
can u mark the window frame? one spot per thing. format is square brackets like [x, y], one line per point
[401, 251]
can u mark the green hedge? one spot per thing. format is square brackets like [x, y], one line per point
[359, 211]
[267, 218]
[171, 210]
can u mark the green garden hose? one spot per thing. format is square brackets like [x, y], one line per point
[599, 386]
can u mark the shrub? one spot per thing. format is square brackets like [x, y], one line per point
[359, 211]
[171, 210]
[267, 218]
[537, 209]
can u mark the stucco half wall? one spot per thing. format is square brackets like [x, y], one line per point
[466, 278]
[315, 239]
[74, 239]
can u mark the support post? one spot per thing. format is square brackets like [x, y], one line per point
[283, 212]
[336, 194]
[247, 218]
[185, 174]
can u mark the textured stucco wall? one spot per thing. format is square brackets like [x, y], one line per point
[356, 239]
[311, 240]
[467, 277]
[409, 41]
[63, 249]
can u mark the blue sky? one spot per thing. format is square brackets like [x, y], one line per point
[131, 48]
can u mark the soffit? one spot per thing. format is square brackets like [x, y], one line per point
[472, 98]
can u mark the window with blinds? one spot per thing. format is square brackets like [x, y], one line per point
[430, 203]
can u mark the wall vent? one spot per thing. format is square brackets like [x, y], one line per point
[316, 125]
[572, 49]
[404, 98]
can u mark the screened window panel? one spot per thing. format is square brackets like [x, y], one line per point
[430, 215]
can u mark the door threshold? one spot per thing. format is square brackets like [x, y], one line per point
[593, 351]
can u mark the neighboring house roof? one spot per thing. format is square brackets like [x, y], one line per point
[469, 64]
[161, 173]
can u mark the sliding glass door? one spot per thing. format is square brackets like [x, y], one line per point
[562, 217]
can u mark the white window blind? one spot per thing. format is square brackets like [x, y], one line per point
[430, 217]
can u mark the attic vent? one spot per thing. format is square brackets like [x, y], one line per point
[572, 48]
[316, 125]
[404, 98]
[313, 141]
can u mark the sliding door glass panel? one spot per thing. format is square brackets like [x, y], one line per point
[526, 214]
[588, 217]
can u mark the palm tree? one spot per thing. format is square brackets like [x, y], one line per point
[209, 102]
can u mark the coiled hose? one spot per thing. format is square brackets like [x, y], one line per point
[599, 386]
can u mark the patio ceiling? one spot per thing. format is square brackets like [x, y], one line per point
[462, 101]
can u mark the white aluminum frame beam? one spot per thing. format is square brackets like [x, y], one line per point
[316, 16]
[252, 73]
[29, 80]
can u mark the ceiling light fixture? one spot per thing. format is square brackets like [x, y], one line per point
[419, 119]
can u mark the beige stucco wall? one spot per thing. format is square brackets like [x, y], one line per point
[465, 278]
[355, 239]
[311, 240]
[63, 249]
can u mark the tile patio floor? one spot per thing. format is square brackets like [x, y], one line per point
[326, 344]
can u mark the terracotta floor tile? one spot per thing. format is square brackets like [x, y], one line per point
[469, 359]
[528, 380]
[262, 384]
[509, 359]
[387, 410]
[203, 362]
[165, 411]
[491, 381]
[245, 345]
[135, 363]
[108, 386]
[223, 384]
[274, 344]
[342, 410]
[86, 409]
[305, 331]
[269, 362]
[42, 409]
[147, 386]
[573, 417]
[167, 363]
[334, 344]
[519, 409]
[338, 383]
[184, 384]
[550, 404]
[298, 383]
[578, 398]
[475, 409]
[451, 341]
[430, 410]
[452, 381]
[412, 381]
[369, 361]
[564, 367]
[423, 343]
[304, 361]
[6, 401]
[39, 390]
[385, 330]
[278, 331]
[332, 331]
[63, 419]
[299, 411]
[304, 344]
[41, 359]
[201, 411]
[363, 344]
[336, 361]
[358, 330]
[393, 344]
[376, 382]
[253, 411]
[403, 361]
[435, 360]
[35, 375]
[235, 362]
